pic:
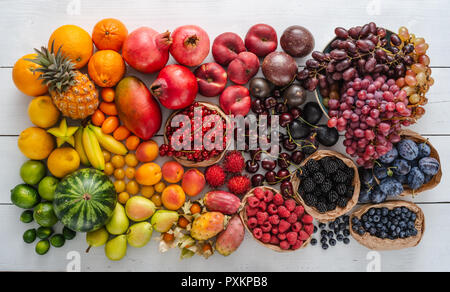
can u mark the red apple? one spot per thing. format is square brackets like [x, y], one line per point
[243, 68]
[235, 100]
[211, 78]
[176, 87]
[190, 45]
[226, 48]
[261, 39]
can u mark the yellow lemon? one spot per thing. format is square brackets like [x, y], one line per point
[63, 161]
[35, 143]
[42, 112]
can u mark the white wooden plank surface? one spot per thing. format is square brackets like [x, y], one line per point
[25, 24]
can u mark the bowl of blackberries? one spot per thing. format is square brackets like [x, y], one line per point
[327, 184]
[411, 167]
[391, 225]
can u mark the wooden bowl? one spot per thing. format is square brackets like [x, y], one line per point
[188, 163]
[338, 212]
[375, 243]
[244, 218]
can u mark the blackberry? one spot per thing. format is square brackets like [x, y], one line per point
[331, 206]
[349, 193]
[330, 166]
[308, 184]
[318, 177]
[321, 207]
[341, 189]
[310, 199]
[313, 166]
[332, 197]
[339, 176]
[341, 164]
[350, 172]
[303, 172]
[342, 202]
[326, 186]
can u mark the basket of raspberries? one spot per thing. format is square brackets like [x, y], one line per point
[277, 222]
[328, 185]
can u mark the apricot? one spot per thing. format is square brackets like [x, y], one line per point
[147, 151]
[193, 182]
[172, 172]
[148, 174]
[173, 197]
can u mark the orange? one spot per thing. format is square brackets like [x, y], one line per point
[121, 133]
[98, 118]
[132, 142]
[108, 94]
[108, 108]
[25, 79]
[75, 43]
[109, 34]
[110, 125]
[106, 68]
[148, 174]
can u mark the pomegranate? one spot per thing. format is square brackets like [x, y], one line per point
[243, 68]
[261, 39]
[226, 48]
[235, 100]
[146, 50]
[211, 78]
[176, 87]
[190, 45]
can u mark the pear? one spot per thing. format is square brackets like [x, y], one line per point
[139, 208]
[163, 220]
[139, 234]
[119, 221]
[96, 238]
[116, 248]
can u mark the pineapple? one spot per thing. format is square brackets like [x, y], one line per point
[72, 91]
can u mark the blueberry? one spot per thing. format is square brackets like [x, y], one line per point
[415, 178]
[377, 196]
[330, 234]
[315, 229]
[324, 246]
[323, 233]
[322, 225]
[346, 241]
[376, 218]
[408, 149]
[355, 220]
[401, 167]
[384, 211]
[371, 211]
[323, 240]
[340, 237]
[429, 165]
[391, 187]
[380, 172]
[361, 231]
[413, 217]
[332, 242]
[346, 233]
[355, 228]
[364, 196]
[424, 150]
[414, 232]
[390, 156]
[313, 242]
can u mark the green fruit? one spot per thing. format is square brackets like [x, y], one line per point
[44, 214]
[97, 238]
[116, 248]
[163, 220]
[42, 247]
[26, 216]
[57, 240]
[139, 234]
[47, 188]
[32, 172]
[85, 200]
[68, 233]
[44, 232]
[29, 236]
[24, 196]
[119, 221]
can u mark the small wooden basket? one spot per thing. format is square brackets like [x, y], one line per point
[183, 160]
[244, 218]
[375, 243]
[338, 212]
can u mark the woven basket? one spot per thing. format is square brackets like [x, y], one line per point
[244, 218]
[376, 243]
[184, 161]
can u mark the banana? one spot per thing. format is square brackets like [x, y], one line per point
[79, 147]
[108, 142]
[93, 150]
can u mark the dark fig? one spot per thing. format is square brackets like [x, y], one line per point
[327, 136]
[279, 68]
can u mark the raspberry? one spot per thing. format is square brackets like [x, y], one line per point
[266, 227]
[252, 222]
[251, 211]
[291, 237]
[292, 218]
[262, 217]
[272, 209]
[284, 245]
[266, 237]
[309, 228]
[274, 220]
[283, 212]
[281, 236]
[253, 202]
[259, 193]
[257, 233]
[298, 244]
[274, 240]
[262, 206]
[299, 211]
[284, 226]
[274, 231]
[303, 235]
[290, 204]
[268, 196]
[297, 226]
[278, 199]
[307, 219]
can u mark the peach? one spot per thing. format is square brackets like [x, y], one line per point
[173, 197]
[193, 182]
[172, 172]
[226, 48]
[147, 151]
[211, 79]
[243, 68]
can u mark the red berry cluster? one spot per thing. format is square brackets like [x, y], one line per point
[277, 221]
[193, 134]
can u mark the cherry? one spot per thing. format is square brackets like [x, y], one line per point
[270, 102]
[281, 108]
[286, 119]
[257, 106]
[256, 154]
[283, 160]
[251, 166]
[295, 112]
[287, 189]
[283, 174]
[297, 157]
[289, 145]
[269, 164]
[271, 177]
[257, 180]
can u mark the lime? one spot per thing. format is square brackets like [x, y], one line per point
[47, 188]
[57, 240]
[45, 215]
[26, 216]
[44, 232]
[42, 247]
[32, 171]
[29, 236]
[69, 234]
[24, 196]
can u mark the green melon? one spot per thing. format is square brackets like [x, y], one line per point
[85, 200]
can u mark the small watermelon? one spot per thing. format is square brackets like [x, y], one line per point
[85, 200]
